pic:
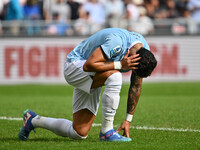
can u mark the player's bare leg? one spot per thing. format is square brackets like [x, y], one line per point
[82, 121]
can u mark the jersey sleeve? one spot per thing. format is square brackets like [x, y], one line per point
[138, 38]
[112, 46]
[146, 45]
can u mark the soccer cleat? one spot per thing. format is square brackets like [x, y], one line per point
[113, 136]
[27, 126]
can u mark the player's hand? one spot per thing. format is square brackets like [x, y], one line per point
[130, 62]
[125, 127]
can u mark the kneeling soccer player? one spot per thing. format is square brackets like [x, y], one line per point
[98, 61]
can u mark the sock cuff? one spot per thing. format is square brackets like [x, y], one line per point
[114, 79]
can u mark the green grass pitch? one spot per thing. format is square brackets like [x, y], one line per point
[166, 105]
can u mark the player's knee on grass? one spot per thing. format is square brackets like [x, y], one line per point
[77, 134]
[82, 130]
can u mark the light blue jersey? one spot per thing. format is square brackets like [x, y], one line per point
[114, 42]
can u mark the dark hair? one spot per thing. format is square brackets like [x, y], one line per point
[147, 63]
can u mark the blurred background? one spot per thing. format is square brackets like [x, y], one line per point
[85, 17]
[37, 35]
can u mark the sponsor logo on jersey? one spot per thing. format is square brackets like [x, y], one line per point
[116, 50]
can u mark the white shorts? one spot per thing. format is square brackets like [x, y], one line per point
[83, 96]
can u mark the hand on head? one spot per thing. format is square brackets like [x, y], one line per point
[130, 62]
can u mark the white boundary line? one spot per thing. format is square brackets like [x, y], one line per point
[156, 128]
[133, 127]
[10, 118]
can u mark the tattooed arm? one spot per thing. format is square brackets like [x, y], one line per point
[134, 93]
[133, 98]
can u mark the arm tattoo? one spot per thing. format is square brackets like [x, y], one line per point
[134, 93]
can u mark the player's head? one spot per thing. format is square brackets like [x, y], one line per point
[147, 63]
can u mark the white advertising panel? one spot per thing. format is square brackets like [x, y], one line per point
[41, 60]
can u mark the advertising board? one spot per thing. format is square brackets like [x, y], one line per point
[41, 60]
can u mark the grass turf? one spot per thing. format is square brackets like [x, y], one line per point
[168, 105]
